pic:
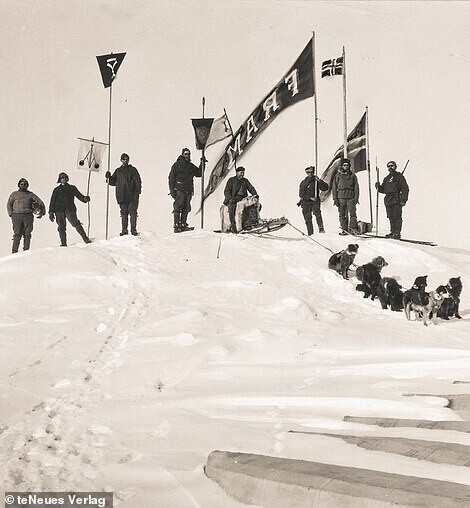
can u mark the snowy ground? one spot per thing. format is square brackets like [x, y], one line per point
[126, 362]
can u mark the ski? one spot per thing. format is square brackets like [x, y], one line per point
[407, 240]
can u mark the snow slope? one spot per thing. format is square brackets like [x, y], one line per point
[126, 362]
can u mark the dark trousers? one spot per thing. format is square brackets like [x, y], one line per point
[181, 207]
[394, 214]
[129, 210]
[310, 209]
[61, 219]
[347, 214]
[22, 227]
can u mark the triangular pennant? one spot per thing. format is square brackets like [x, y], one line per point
[202, 128]
[109, 66]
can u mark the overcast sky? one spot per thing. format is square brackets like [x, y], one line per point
[407, 61]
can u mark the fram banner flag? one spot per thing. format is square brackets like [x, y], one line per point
[356, 154]
[295, 86]
[109, 65]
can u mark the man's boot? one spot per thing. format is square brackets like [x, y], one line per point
[397, 228]
[309, 228]
[63, 238]
[124, 222]
[134, 224]
[26, 242]
[184, 223]
[16, 244]
[82, 233]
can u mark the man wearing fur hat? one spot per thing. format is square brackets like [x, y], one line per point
[128, 185]
[309, 190]
[62, 208]
[22, 205]
[396, 192]
[345, 192]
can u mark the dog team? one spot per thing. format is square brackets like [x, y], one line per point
[442, 303]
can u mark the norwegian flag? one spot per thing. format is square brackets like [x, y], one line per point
[333, 67]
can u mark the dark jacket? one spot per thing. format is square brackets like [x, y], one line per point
[345, 186]
[181, 176]
[237, 189]
[62, 198]
[310, 187]
[395, 188]
[128, 183]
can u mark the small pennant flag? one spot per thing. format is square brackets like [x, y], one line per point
[220, 130]
[333, 67]
[202, 128]
[109, 66]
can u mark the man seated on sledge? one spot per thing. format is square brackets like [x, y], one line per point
[236, 199]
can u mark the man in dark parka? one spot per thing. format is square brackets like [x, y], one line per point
[237, 188]
[181, 184]
[309, 190]
[128, 185]
[62, 208]
[396, 192]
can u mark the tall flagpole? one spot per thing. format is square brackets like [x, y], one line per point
[315, 110]
[109, 157]
[368, 165]
[203, 168]
[345, 117]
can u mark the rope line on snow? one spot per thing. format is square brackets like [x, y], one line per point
[309, 237]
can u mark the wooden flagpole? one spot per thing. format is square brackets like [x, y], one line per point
[315, 111]
[109, 157]
[368, 165]
[345, 116]
[203, 168]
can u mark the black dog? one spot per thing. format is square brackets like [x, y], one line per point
[417, 294]
[390, 294]
[341, 261]
[450, 306]
[369, 275]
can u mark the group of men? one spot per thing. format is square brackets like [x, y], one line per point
[23, 205]
[345, 194]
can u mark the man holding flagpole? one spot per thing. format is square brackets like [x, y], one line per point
[128, 185]
[181, 184]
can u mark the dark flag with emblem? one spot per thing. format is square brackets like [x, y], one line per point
[202, 128]
[109, 66]
[333, 67]
[295, 86]
[357, 154]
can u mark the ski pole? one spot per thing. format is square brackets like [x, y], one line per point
[377, 200]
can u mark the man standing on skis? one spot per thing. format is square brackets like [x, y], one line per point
[345, 192]
[128, 185]
[62, 208]
[181, 184]
[21, 206]
[396, 192]
[309, 190]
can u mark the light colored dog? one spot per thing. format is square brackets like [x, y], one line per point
[426, 310]
[241, 205]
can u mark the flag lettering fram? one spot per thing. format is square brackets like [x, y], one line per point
[295, 86]
[356, 150]
[333, 67]
[109, 66]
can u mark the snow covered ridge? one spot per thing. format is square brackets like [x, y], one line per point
[127, 361]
